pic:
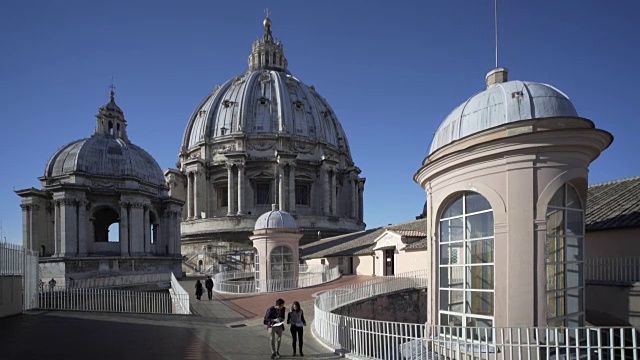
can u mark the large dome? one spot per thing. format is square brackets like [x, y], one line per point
[101, 155]
[502, 103]
[265, 100]
[264, 138]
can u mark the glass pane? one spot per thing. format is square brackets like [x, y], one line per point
[451, 277]
[480, 277]
[558, 198]
[574, 301]
[480, 251]
[574, 275]
[574, 248]
[480, 303]
[555, 222]
[555, 304]
[456, 299]
[476, 202]
[555, 277]
[451, 254]
[480, 225]
[479, 329]
[444, 231]
[573, 200]
[575, 222]
[455, 209]
[551, 249]
[455, 228]
[444, 299]
[288, 258]
[455, 321]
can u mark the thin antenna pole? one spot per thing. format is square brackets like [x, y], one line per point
[495, 17]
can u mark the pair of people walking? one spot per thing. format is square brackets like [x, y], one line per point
[208, 284]
[274, 320]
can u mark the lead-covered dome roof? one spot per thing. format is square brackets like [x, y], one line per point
[108, 153]
[100, 155]
[275, 219]
[501, 103]
[265, 100]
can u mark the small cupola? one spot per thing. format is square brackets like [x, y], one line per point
[496, 76]
[267, 52]
[110, 119]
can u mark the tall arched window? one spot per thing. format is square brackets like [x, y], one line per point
[564, 259]
[281, 263]
[467, 265]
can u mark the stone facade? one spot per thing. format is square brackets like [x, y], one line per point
[95, 185]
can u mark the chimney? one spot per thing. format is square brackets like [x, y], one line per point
[496, 76]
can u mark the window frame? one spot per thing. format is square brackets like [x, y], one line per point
[560, 317]
[465, 267]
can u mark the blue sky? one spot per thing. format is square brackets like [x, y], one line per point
[391, 70]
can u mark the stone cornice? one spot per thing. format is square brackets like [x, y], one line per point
[586, 141]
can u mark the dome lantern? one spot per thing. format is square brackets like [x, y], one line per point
[267, 53]
[110, 119]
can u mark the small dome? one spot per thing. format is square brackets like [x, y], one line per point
[499, 104]
[275, 219]
[101, 155]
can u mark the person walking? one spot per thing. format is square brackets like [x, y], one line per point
[198, 289]
[209, 285]
[274, 319]
[297, 321]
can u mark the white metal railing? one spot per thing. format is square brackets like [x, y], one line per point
[230, 275]
[124, 280]
[223, 282]
[526, 343]
[368, 338]
[179, 297]
[15, 260]
[619, 269]
[107, 300]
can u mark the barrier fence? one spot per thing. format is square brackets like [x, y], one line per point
[225, 283]
[364, 338]
[537, 343]
[179, 297]
[15, 260]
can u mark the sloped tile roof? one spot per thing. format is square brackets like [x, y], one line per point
[614, 204]
[420, 244]
[359, 243]
[410, 233]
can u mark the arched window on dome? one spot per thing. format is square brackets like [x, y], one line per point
[153, 228]
[106, 225]
[466, 265]
[281, 271]
[564, 257]
[110, 128]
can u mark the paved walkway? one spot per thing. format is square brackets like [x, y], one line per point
[227, 327]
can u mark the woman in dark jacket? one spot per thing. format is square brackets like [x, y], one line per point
[297, 321]
[198, 289]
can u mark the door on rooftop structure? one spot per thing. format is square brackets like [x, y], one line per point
[389, 262]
